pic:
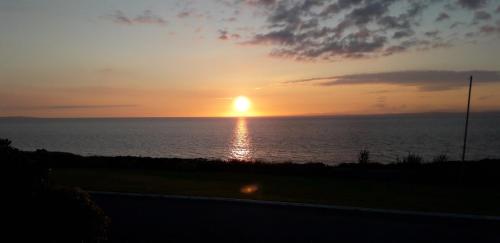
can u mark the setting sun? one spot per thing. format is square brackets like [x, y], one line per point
[241, 104]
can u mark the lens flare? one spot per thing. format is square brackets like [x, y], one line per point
[249, 189]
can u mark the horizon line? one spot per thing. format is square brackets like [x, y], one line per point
[263, 116]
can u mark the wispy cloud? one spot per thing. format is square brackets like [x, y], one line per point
[425, 80]
[225, 35]
[190, 13]
[146, 17]
[55, 107]
[184, 14]
[67, 107]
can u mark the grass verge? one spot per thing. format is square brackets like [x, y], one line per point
[427, 197]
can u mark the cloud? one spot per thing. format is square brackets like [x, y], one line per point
[230, 19]
[472, 4]
[489, 29]
[58, 107]
[120, 18]
[260, 2]
[442, 16]
[486, 97]
[68, 107]
[381, 102]
[425, 80]
[480, 16]
[456, 24]
[184, 14]
[146, 17]
[297, 29]
[432, 33]
[336, 29]
[192, 13]
[225, 35]
[382, 91]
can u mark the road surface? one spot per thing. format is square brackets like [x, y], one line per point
[143, 219]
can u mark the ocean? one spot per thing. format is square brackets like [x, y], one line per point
[329, 140]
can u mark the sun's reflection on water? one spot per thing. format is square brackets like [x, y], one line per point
[240, 148]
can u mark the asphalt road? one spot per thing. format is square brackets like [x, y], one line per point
[145, 219]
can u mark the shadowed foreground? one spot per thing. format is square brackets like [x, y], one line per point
[368, 192]
[180, 220]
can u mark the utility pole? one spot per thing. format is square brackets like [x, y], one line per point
[467, 120]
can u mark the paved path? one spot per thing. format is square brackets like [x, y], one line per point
[186, 220]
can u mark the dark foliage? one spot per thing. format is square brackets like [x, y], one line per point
[69, 214]
[409, 169]
[411, 158]
[26, 176]
[440, 158]
[364, 156]
[5, 144]
[37, 211]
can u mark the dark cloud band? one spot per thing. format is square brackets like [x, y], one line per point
[426, 80]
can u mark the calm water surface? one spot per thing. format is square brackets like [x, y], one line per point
[299, 139]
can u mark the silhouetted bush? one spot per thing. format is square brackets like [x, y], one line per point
[411, 158]
[69, 215]
[26, 176]
[364, 156]
[440, 158]
[5, 144]
[43, 213]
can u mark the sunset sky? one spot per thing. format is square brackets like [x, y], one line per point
[129, 58]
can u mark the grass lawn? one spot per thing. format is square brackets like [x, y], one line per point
[317, 189]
